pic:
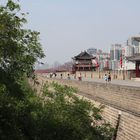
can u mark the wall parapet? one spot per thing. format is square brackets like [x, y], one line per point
[125, 98]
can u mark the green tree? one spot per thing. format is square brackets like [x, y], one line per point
[19, 47]
[58, 114]
[67, 117]
[19, 50]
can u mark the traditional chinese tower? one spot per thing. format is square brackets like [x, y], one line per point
[84, 62]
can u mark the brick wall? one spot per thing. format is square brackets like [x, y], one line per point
[122, 100]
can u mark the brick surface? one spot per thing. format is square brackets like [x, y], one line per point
[116, 98]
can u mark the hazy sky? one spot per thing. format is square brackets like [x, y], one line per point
[68, 27]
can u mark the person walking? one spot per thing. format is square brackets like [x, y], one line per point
[80, 77]
[105, 78]
[68, 76]
[61, 75]
[109, 77]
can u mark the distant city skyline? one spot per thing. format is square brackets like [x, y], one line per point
[69, 27]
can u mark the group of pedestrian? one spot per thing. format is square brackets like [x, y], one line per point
[53, 75]
[107, 77]
[68, 76]
[80, 77]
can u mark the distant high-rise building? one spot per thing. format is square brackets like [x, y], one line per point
[115, 52]
[92, 51]
[134, 42]
[99, 51]
[129, 51]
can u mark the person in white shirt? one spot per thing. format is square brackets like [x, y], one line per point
[106, 78]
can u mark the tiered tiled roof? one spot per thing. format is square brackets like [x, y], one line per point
[134, 58]
[84, 55]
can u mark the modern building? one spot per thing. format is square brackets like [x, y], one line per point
[129, 51]
[132, 48]
[92, 51]
[103, 59]
[115, 52]
[129, 65]
[134, 41]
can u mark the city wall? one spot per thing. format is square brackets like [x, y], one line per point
[123, 101]
[120, 75]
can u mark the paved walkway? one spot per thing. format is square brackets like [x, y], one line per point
[114, 81]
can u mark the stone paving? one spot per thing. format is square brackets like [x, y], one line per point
[116, 82]
[131, 83]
